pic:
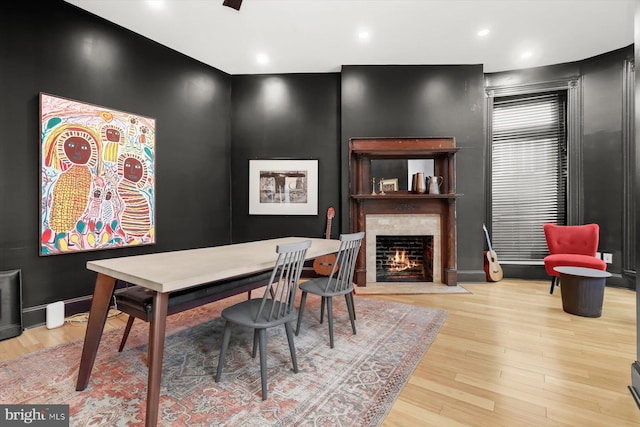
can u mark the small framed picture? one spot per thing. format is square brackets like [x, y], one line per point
[283, 187]
[389, 185]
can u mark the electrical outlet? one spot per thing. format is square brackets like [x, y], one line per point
[607, 257]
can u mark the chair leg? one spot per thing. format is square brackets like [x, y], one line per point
[330, 317]
[127, 329]
[553, 283]
[262, 333]
[303, 300]
[352, 311]
[256, 338]
[292, 347]
[223, 350]
[352, 304]
[322, 303]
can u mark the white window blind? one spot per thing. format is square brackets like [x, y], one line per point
[528, 174]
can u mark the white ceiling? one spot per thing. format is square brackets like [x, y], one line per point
[302, 36]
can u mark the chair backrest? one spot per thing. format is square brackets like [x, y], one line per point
[341, 277]
[281, 290]
[572, 239]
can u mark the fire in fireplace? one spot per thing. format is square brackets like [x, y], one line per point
[404, 258]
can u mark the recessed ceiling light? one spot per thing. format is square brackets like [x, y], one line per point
[364, 35]
[156, 4]
[262, 58]
[483, 32]
[526, 54]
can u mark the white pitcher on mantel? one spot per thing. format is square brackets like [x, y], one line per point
[433, 184]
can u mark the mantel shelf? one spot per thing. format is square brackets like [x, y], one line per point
[375, 153]
[404, 195]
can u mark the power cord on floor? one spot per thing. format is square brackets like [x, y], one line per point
[84, 317]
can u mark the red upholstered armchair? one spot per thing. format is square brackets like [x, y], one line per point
[571, 245]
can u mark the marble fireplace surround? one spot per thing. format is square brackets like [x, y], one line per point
[402, 225]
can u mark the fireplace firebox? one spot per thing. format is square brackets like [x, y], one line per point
[404, 258]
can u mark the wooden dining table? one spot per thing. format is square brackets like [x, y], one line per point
[166, 272]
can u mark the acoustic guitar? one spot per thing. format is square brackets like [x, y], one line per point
[324, 264]
[491, 266]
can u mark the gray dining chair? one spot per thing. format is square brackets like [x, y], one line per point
[339, 282]
[274, 308]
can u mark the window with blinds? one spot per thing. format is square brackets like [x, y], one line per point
[528, 173]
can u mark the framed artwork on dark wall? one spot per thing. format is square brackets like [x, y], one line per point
[97, 177]
[283, 187]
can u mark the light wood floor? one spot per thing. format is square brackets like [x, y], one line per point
[507, 355]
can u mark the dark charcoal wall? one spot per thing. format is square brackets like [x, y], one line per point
[603, 149]
[56, 48]
[290, 116]
[415, 101]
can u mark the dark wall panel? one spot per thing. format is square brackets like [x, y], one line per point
[422, 101]
[289, 116]
[603, 148]
[56, 48]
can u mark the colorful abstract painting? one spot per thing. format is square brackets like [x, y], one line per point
[97, 177]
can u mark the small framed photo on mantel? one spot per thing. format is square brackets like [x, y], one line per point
[388, 185]
[283, 187]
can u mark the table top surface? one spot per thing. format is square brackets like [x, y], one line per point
[171, 271]
[582, 271]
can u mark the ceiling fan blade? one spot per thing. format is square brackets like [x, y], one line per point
[234, 4]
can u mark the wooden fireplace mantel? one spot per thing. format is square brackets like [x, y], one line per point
[363, 203]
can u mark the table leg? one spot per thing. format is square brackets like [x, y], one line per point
[157, 330]
[97, 318]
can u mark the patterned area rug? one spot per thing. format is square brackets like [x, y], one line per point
[409, 289]
[353, 384]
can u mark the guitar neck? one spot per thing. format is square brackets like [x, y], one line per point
[327, 233]
[486, 233]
